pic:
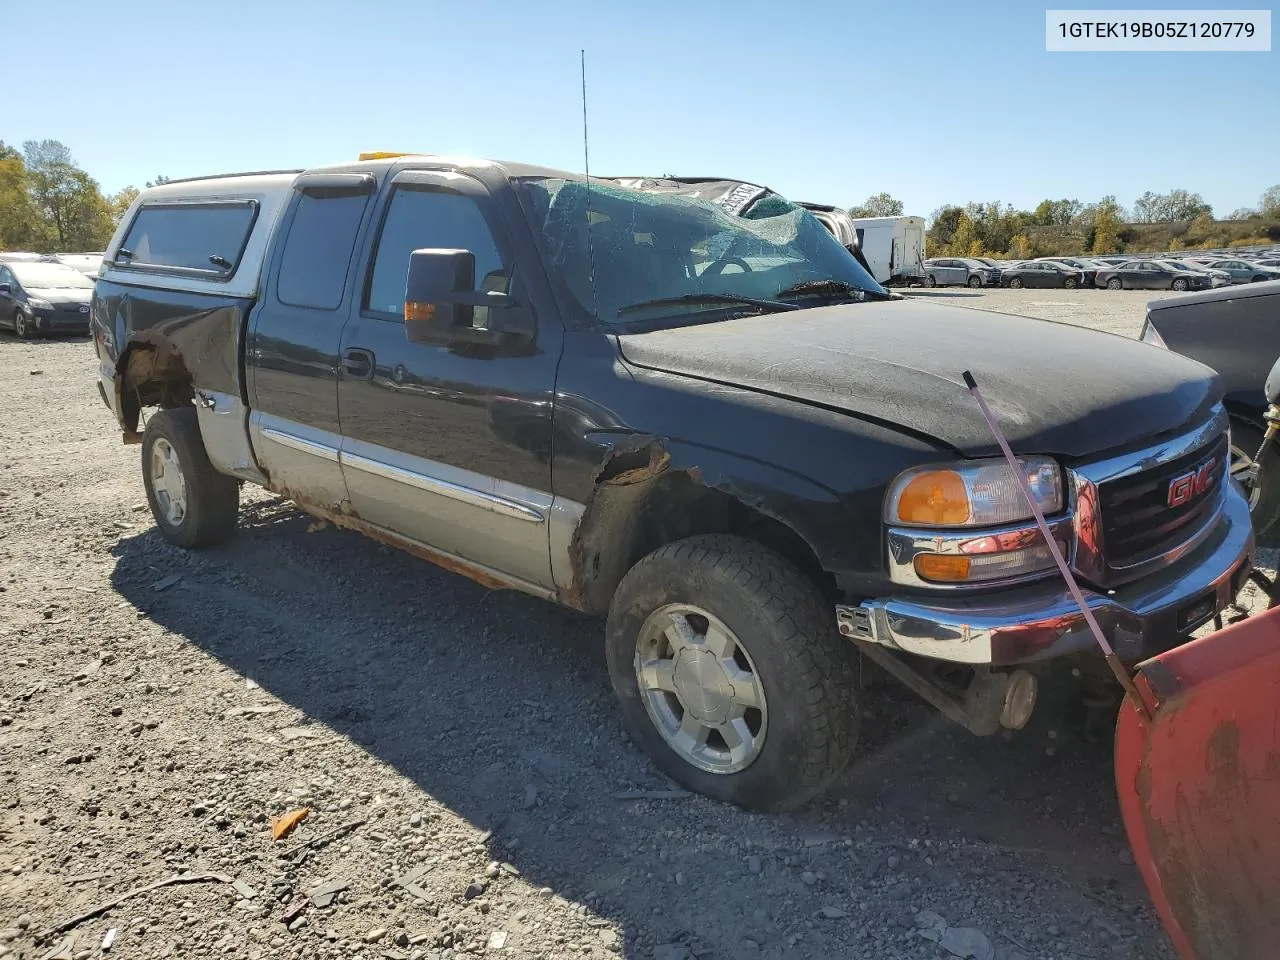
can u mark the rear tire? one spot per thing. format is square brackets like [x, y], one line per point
[1264, 502]
[193, 504]
[785, 651]
[1016, 283]
[1180, 284]
[1115, 283]
[975, 282]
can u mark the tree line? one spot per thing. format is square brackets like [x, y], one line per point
[1157, 221]
[48, 204]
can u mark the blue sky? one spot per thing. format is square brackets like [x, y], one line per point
[821, 100]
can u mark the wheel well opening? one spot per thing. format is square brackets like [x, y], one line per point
[624, 524]
[152, 375]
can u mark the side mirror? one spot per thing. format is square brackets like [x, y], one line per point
[442, 304]
[4, 288]
[1272, 388]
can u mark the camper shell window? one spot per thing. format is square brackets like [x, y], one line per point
[207, 238]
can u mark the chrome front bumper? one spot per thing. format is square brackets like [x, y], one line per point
[1036, 622]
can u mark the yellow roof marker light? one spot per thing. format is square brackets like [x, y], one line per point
[384, 155]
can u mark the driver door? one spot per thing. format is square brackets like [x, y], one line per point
[449, 444]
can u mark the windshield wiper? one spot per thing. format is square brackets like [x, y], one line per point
[834, 288]
[772, 306]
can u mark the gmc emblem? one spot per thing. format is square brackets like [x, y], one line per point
[1187, 487]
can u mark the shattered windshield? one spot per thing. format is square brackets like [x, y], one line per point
[660, 255]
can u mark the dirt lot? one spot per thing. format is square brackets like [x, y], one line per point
[158, 707]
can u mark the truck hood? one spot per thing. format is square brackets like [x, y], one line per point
[1055, 388]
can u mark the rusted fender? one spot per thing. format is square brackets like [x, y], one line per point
[1199, 789]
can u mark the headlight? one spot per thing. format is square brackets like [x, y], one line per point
[977, 493]
[1152, 336]
[37, 304]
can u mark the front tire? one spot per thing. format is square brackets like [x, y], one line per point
[975, 282]
[1070, 283]
[1114, 283]
[1180, 284]
[193, 504]
[730, 673]
[1264, 499]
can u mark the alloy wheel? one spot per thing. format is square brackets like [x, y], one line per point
[701, 689]
[1242, 465]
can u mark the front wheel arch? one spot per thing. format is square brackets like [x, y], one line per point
[650, 496]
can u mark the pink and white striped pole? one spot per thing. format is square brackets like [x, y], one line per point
[1113, 661]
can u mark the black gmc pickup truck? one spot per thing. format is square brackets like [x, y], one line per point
[716, 430]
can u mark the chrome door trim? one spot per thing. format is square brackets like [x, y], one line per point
[421, 481]
[293, 442]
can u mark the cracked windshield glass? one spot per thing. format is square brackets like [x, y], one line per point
[656, 255]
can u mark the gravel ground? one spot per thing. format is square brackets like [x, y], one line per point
[470, 786]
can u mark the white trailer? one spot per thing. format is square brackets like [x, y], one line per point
[893, 246]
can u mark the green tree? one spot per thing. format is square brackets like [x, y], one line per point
[1106, 228]
[1269, 205]
[880, 205]
[120, 202]
[1174, 205]
[1055, 213]
[158, 181]
[964, 237]
[17, 218]
[74, 213]
[942, 226]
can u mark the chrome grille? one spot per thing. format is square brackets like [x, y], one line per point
[1126, 523]
[1138, 523]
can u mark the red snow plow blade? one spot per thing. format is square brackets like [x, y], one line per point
[1199, 788]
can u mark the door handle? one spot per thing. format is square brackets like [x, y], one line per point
[358, 364]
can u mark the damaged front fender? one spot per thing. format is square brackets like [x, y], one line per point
[648, 491]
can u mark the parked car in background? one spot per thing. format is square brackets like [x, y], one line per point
[1268, 262]
[960, 272]
[1152, 275]
[1088, 268]
[1033, 273]
[87, 263]
[1218, 278]
[1242, 271]
[42, 299]
[1235, 332]
[1112, 261]
[14, 256]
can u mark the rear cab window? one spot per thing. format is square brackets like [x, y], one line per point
[205, 238]
[318, 247]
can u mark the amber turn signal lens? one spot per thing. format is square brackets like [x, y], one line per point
[418, 311]
[942, 568]
[935, 497]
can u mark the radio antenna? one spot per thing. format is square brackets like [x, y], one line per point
[586, 166]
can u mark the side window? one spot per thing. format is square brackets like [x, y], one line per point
[209, 236]
[5, 277]
[317, 251]
[420, 219]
